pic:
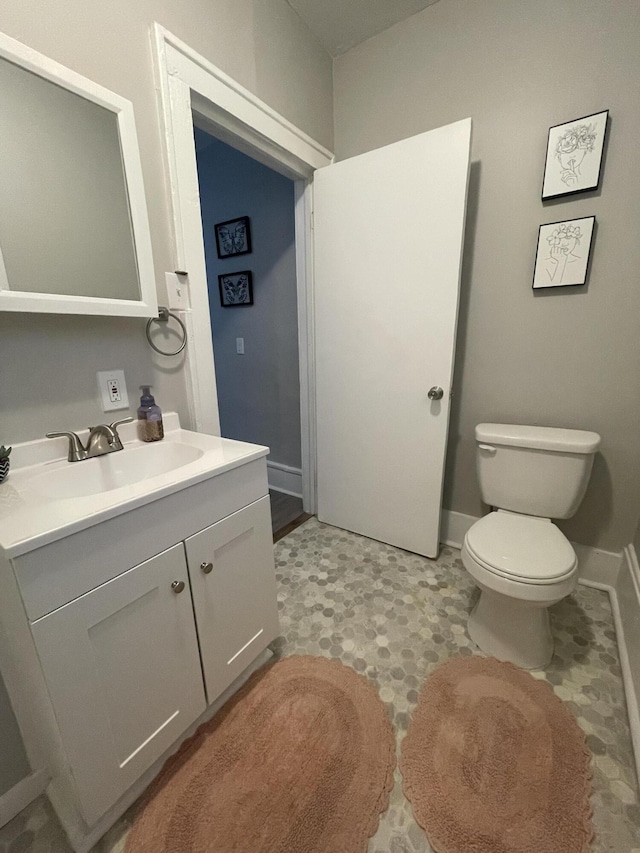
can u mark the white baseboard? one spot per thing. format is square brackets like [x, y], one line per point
[284, 478]
[18, 798]
[453, 527]
[594, 564]
[632, 565]
[625, 612]
[627, 605]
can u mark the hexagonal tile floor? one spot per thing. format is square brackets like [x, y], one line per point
[394, 616]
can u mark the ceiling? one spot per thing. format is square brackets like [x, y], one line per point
[341, 24]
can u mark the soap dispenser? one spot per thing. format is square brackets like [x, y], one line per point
[149, 417]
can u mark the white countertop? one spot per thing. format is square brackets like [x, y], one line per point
[30, 517]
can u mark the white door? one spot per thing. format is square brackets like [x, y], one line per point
[123, 671]
[234, 593]
[389, 229]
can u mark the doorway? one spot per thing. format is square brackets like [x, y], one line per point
[248, 226]
[188, 83]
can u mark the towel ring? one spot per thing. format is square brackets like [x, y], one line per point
[163, 317]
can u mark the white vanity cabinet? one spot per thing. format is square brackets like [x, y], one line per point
[131, 664]
[232, 561]
[121, 664]
[123, 633]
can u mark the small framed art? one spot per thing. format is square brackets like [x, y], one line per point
[563, 254]
[233, 237]
[236, 288]
[574, 156]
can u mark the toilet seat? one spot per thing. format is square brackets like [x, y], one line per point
[521, 548]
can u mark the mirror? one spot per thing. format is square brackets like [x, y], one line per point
[74, 233]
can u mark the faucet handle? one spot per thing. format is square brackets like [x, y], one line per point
[77, 452]
[114, 429]
[116, 424]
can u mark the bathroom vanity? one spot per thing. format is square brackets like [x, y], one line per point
[136, 590]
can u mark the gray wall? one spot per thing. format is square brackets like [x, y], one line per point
[48, 364]
[258, 392]
[570, 357]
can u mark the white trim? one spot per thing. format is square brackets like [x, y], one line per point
[58, 303]
[147, 305]
[4, 281]
[187, 81]
[188, 245]
[630, 688]
[13, 801]
[285, 479]
[244, 111]
[627, 594]
[596, 565]
[454, 526]
[633, 566]
[306, 335]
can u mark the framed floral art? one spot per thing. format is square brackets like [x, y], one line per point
[564, 250]
[574, 156]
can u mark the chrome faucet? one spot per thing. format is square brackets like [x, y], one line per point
[102, 439]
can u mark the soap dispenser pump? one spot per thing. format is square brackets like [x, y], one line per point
[150, 426]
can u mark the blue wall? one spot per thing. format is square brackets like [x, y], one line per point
[259, 392]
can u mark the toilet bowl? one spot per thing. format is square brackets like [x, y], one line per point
[522, 565]
[521, 562]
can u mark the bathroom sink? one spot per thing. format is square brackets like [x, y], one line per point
[127, 467]
[46, 497]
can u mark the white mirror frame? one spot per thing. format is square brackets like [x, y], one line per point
[147, 305]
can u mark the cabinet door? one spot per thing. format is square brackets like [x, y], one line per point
[123, 671]
[234, 593]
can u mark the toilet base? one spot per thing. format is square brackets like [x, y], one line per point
[512, 630]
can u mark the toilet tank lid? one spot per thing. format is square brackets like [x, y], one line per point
[539, 438]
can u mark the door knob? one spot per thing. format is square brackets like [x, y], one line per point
[435, 393]
[206, 567]
[177, 586]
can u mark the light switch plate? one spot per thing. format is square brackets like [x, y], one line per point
[113, 390]
[177, 291]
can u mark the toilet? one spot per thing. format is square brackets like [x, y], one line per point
[519, 559]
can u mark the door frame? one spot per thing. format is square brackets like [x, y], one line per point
[188, 82]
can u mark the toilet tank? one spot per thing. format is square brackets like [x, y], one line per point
[539, 471]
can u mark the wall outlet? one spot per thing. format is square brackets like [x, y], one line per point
[113, 390]
[177, 291]
[240, 346]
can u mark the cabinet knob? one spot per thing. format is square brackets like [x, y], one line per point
[177, 586]
[206, 567]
